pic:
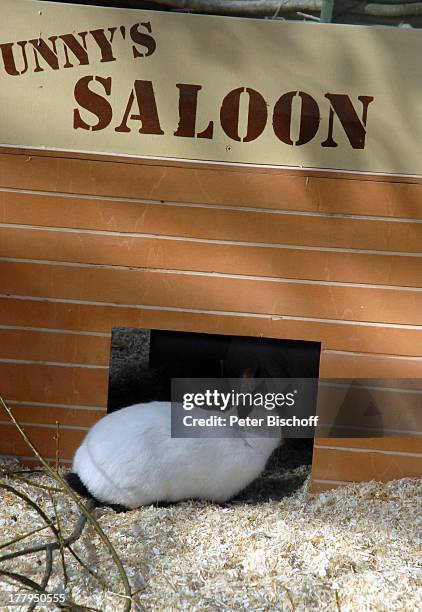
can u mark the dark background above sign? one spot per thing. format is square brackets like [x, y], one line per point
[386, 12]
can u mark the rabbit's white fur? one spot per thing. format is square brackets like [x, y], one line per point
[129, 458]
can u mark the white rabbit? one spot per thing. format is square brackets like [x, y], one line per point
[130, 459]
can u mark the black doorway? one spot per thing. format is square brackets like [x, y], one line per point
[143, 361]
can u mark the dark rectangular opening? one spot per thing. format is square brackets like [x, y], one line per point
[144, 361]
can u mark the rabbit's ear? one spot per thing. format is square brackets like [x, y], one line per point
[247, 385]
[244, 411]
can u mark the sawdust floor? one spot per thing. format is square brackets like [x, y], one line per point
[276, 547]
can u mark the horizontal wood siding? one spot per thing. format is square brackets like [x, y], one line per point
[52, 384]
[198, 255]
[217, 222]
[43, 439]
[341, 364]
[87, 318]
[86, 245]
[206, 291]
[67, 415]
[230, 185]
[54, 347]
[337, 463]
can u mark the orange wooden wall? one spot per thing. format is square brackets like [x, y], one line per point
[86, 245]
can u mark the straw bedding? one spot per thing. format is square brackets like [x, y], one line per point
[356, 548]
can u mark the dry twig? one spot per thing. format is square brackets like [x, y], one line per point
[60, 543]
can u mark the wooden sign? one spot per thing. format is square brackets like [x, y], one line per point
[165, 85]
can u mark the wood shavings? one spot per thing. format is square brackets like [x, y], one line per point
[354, 548]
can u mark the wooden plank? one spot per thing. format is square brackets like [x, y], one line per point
[380, 407]
[54, 347]
[209, 223]
[54, 384]
[111, 249]
[330, 464]
[26, 152]
[235, 186]
[50, 415]
[315, 485]
[349, 365]
[404, 444]
[11, 442]
[31, 462]
[89, 318]
[211, 292]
